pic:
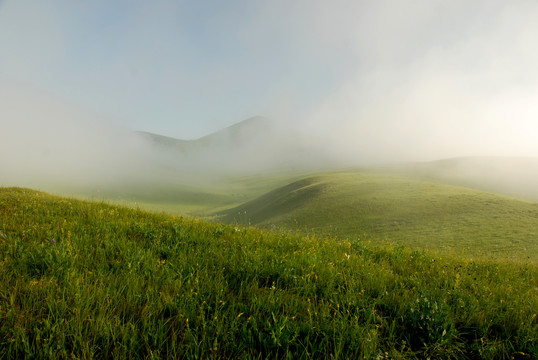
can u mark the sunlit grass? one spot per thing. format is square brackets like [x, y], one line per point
[90, 280]
[400, 210]
[169, 193]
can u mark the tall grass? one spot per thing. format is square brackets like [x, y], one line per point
[89, 280]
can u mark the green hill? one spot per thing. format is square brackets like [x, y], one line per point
[91, 280]
[401, 210]
[172, 193]
[513, 176]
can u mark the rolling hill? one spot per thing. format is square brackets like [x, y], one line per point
[84, 279]
[514, 176]
[383, 207]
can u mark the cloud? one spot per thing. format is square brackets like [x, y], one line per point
[434, 79]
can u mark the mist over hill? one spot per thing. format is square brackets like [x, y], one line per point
[55, 145]
[514, 176]
[59, 146]
[255, 145]
[234, 137]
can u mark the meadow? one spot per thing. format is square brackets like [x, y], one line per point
[202, 196]
[93, 280]
[399, 209]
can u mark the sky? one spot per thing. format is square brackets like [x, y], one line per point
[376, 80]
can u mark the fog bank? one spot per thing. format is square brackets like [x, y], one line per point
[344, 82]
[47, 142]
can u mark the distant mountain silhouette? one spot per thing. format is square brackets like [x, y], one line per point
[165, 142]
[255, 144]
[252, 130]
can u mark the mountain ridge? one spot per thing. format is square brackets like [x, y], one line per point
[254, 145]
[231, 132]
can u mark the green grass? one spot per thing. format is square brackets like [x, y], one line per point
[91, 280]
[170, 193]
[513, 176]
[400, 210]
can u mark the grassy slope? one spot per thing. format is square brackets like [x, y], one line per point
[513, 176]
[92, 280]
[402, 210]
[169, 194]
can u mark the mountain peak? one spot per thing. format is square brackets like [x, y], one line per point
[242, 131]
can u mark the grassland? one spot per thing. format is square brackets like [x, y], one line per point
[197, 196]
[513, 176]
[91, 280]
[402, 210]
